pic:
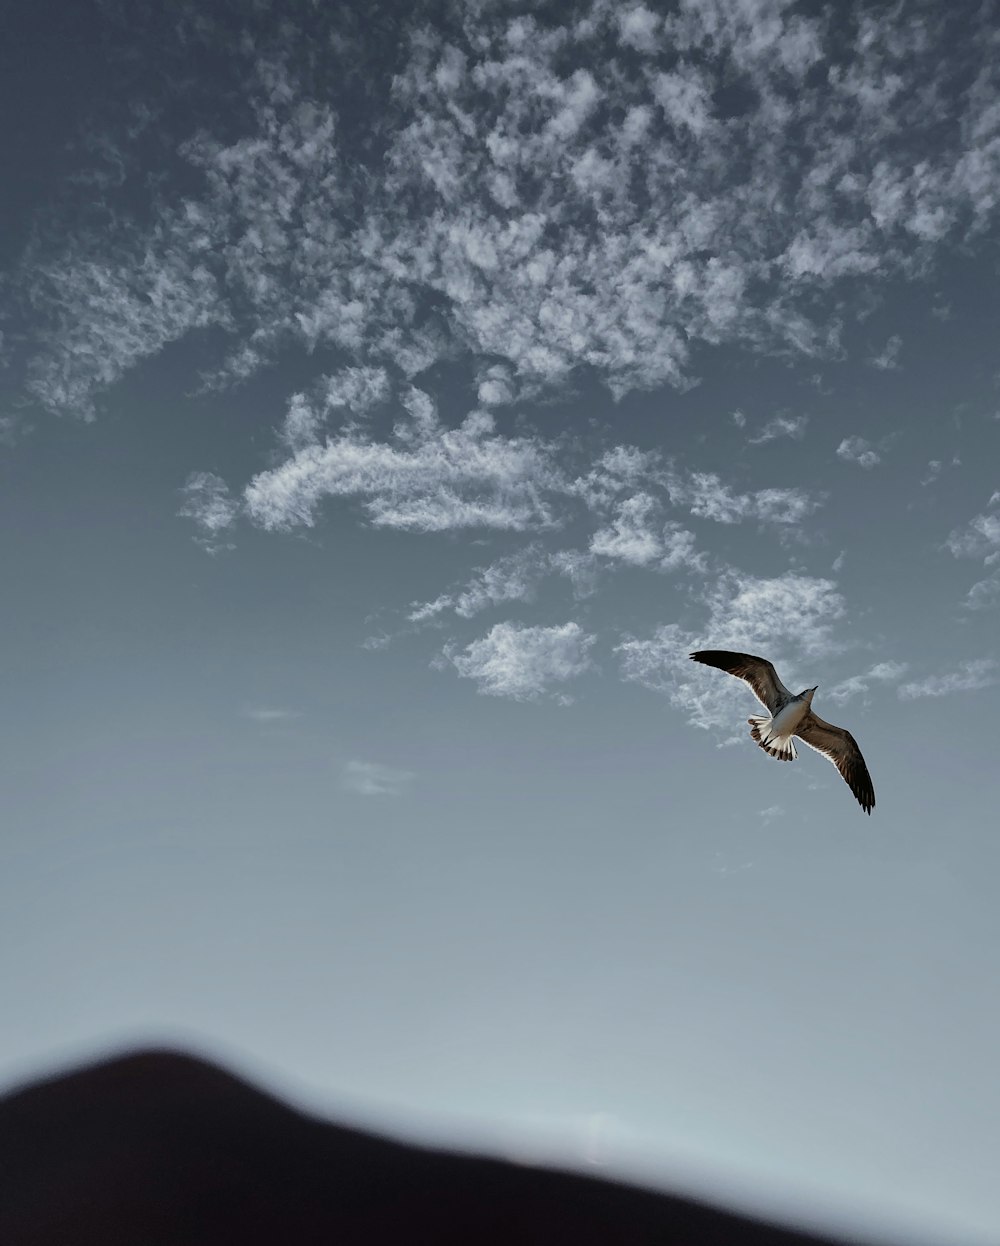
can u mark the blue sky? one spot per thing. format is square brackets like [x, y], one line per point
[387, 408]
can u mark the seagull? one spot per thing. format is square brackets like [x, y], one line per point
[789, 715]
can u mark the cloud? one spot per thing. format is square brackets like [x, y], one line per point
[358, 389]
[523, 662]
[792, 608]
[618, 469]
[972, 675]
[630, 536]
[208, 502]
[488, 211]
[425, 478]
[514, 577]
[635, 537]
[858, 450]
[859, 685]
[266, 714]
[580, 568]
[706, 496]
[679, 550]
[506, 214]
[660, 662]
[638, 27]
[984, 594]
[496, 386]
[354, 390]
[934, 467]
[112, 305]
[888, 358]
[980, 538]
[368, 778]
[631, 528]
[206, 499]
[788, 616]
[793, 426]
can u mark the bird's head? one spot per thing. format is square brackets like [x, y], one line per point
[808, 693]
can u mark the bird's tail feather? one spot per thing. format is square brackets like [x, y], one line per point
[780, 747]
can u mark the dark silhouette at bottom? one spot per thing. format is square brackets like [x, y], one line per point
[160, 1149]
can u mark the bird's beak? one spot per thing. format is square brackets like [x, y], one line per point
[816, 689]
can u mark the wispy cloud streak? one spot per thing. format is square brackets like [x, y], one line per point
[972, 675]
[368, 778]
[427, 478]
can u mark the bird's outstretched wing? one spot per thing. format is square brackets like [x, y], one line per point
[757, 672]
[840, 747]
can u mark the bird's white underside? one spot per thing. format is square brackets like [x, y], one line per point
[786, 722]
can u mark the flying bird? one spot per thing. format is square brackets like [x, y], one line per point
[789, 715]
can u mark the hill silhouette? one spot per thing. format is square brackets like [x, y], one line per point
[157, 1148]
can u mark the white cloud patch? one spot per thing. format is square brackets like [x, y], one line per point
[523, 662]
[970, 676]
[496, 386]
[802, 609]
[357, 389]
[618, 469]
[888, 357]
[206, 499]
[858, 450]
[638, 536]
[792, 426]
[208, 502]
[787, 617]
[984, 594]
[368, 778]
[860, 685]
[638, 27]
[980, 538]
[679, 551]
[630, 536]
[353, 391]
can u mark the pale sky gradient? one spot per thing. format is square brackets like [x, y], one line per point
[387, 407]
